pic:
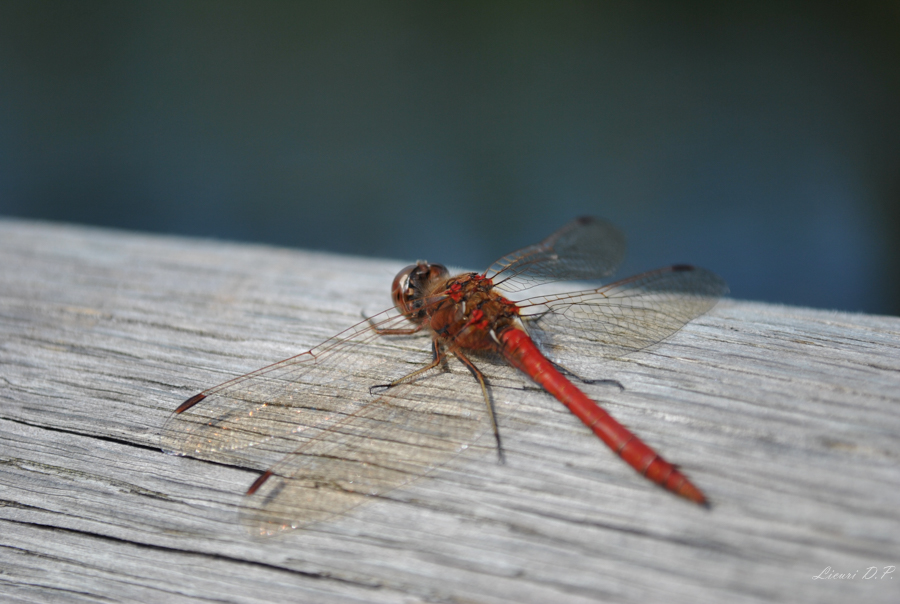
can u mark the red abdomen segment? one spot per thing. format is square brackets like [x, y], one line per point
[522, 353]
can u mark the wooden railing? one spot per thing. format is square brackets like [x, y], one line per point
[787, 418]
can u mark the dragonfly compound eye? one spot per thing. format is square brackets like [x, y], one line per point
[401, 290]
[413, 283]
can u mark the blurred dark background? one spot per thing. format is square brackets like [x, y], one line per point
[761, 140]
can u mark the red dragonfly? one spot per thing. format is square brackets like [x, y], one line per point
[350, 418]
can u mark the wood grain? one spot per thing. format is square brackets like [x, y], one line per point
[788, 419]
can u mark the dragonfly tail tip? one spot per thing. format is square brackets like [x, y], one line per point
[687, 490]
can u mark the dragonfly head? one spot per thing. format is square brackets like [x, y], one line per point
[413, 284]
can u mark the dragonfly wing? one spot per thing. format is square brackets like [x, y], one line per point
[338, 442]
[585, 249]
[404, 434]
[247, 420]
[621, 317]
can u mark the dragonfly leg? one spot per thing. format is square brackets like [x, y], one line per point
[533, 320]
[392, 332]
[437, 360]
[537, 317]
[488, 399]
[566, 371]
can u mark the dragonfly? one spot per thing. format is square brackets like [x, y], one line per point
[360, 414]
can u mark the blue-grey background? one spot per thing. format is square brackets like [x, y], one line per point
[761, 140]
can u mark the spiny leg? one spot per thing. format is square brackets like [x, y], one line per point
[593, 381]
[437, 359]
[488, 399]
[393, 331]
[533, 320]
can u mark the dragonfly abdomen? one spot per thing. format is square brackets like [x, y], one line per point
[522, 353]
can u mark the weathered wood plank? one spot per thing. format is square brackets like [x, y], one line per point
[786, 417]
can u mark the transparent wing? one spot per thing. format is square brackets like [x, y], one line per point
[621, 317]
[326, 439]
[381, 445]
[251, 409]
[585, 249]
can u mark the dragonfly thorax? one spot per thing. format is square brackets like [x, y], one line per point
[465, 312]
